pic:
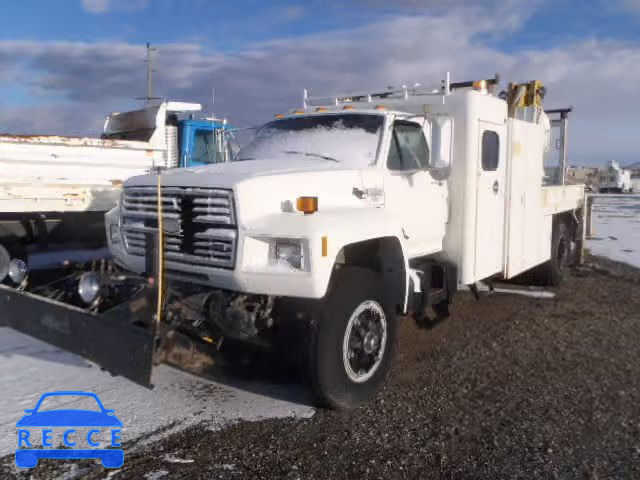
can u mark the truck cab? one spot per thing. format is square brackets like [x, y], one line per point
[171, 127]
[203, 142]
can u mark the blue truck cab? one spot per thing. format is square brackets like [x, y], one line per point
[202, 142]
[174, 128]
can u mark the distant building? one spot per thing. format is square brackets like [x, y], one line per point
[634, 167]
[635, 176]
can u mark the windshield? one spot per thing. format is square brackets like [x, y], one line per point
[346, 138]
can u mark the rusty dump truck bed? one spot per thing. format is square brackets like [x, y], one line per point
[68, 174]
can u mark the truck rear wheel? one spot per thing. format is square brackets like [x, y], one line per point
[353, 340]
[557, 268]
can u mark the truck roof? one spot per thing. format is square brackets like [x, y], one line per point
[215, 122]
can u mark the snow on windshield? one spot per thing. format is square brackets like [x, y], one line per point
[347, 138]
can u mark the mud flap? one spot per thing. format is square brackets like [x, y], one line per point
[110, 339]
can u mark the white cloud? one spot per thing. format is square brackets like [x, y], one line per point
[599, 78]
[53, 118]
[104, 6]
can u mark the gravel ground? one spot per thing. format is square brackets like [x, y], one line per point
[509, 387]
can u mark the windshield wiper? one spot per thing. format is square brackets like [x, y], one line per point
[311, 154]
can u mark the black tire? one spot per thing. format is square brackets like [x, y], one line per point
[557, 268]
[328, 365]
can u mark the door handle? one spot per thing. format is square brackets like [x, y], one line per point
[496, 187]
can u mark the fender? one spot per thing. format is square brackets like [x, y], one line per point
[330, 232]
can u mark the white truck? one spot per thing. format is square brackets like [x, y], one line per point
[615, 179]
[55, 191]
[337, 219]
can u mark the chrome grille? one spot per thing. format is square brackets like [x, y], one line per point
[199, 224]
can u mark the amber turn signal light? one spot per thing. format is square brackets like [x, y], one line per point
[307, 205]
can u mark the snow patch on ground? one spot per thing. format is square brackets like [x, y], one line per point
[29, 368]
[616, 228]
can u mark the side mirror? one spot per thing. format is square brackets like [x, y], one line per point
[441, 144]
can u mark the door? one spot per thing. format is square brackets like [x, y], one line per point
[490, 200]
[415, 199]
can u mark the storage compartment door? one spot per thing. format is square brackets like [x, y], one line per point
[527, 234]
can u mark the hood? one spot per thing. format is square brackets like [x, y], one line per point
[269, 186]
[226, 175]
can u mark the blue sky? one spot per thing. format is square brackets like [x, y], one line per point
[230, 25]
[225, 25]
[67, 63]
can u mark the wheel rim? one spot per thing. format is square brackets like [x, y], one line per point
[365, 340]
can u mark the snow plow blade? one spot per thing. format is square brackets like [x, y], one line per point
[108, 339]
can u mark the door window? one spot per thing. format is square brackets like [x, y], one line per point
[206, 148]
[409, 149]
[490, 151]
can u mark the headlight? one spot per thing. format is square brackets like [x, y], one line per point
[89, 287]
[289, 251]
[18, 271]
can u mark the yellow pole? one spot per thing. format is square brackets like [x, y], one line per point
[160, 279]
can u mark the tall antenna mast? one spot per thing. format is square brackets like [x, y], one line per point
[213, 102]
[150, 71]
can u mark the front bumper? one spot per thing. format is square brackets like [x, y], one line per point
[268, 281]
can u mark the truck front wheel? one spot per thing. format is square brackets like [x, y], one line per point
[353, 340]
